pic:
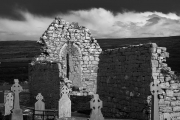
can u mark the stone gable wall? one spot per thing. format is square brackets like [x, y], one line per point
[44, 79]
[123, 81]
[61, 38]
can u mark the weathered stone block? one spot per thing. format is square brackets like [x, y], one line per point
[167, 98]
[176, 108]
[95, 62]
[166, 109]
[169, 93]
[164, 85]
[175, 114]
[167, 78]
[175, 103]
[158, 50]
[174, 86]
[154, 63]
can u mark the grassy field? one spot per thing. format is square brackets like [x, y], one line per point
[15, 55]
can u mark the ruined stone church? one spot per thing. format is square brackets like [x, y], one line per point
[120, 76]
[71, 52]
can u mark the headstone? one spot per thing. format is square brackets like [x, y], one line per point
[5, 94]
[68, 83]
[155, 90]
[17, 112]
[39, 105]
[64, 103]
[96, 105]
[9, 104]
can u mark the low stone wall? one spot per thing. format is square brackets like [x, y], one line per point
[124, 79]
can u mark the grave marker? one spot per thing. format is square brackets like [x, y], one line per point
[155, 90]
[5, 94]
[39, 105]
[9, 104]
[17, 112]
[96, 105]
[64, 103]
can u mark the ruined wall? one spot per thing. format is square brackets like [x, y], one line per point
[169, 97]
[123, 83]
[44, 79]
[124, 79]
[75, 55]
[120, 76]
[61, 39]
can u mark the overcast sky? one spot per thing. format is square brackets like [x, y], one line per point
[28, 19]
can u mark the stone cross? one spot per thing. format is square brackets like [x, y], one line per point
[96, 105]
[9, 103]
[68, 83]
[16, 88]
[17, 112]
[39, 105]
[64, 103]
[155, 90]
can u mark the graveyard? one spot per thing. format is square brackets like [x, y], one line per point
[73, 73]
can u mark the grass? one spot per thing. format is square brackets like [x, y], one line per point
[15, 55]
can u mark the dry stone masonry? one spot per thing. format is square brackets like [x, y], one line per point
[42, 77]
[74, 50]
[120, 76]
[123, 81]
[169, 106]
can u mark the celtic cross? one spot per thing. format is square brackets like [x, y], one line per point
[155, 90]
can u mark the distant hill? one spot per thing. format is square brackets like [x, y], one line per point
[15, 55]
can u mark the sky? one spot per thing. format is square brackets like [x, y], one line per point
[28, 19]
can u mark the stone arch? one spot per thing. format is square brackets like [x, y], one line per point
[61, 63]
[61, 50]
[70, 63]
[78, 50]
[75, 66]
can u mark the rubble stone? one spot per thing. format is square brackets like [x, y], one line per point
[62, 39]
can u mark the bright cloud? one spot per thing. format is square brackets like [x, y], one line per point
[102, 23]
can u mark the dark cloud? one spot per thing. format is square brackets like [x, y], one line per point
[3, 32]
[122, 25]
[152, 21]
[51, 7]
